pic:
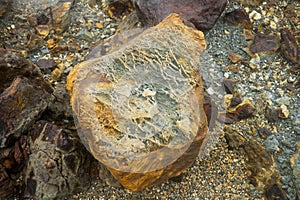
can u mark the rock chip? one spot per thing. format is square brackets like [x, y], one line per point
[264, 44]
[13, 64]
[20, 105]
[238, 17]
[241, 111]
[289, 47]
[295, 164]
[58, 163]
[203, 14]
[139, 109]
[61, 15]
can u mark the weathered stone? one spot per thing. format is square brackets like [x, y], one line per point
[139, 108]
[20, 105]
[264, 132]
[12, 162]
[260, 163]
[117, 8]
[61, 15]
[5, 6]
[295, 165]
[241, 111]
[264, 44]
[13, 64]
[289, 47]
[229, 85]
[238, 17]
[58, 163]
[203, 14]
[46, 63]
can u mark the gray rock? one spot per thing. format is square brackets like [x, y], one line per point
[272, 144]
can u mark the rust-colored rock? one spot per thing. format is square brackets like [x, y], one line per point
[203, 14]
[58, 163]
[139, 108]
[13, 64]
[238, 17]
[20, 105]
[289, 47]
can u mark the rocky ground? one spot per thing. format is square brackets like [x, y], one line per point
[253, 151]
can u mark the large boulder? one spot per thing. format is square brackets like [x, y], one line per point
[139, 108]
[202, 13]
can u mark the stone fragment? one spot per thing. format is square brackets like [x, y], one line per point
[260, 163]
[250, 2]
[61, 15]
[238, 17]
[229, 85]
[58, 163]
[275, 192]
[242, 111]
[289, 47]
[46, 63]
[264, 132]
[5, 5]
[139, 109]
[273, 114]
[234, 57]
[295, 165]
[12, 162]
[248, 34]
[13, 64]
[203, 14]
[43, 30]
[264, 44]
[20, 105]
[117, 8]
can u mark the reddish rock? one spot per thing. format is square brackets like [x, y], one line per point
[58, 164]
[13, 64]
[265, 44]
[238, 17]
[203, 14]
[289, 47]
[229, 85]
[61, 15]
[20, 105]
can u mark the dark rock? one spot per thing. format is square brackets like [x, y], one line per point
[12, 162]
[274, 114]
[58, 164]
[229, 85]
[211, 111]
[275, 192]
[20, 105]
[203, 14]
[265, 44]
[61, 15]
[250, 2]
[117, 8]
[13, 64]
[295, 165]
[236, 100]
[46, 63]
[264, 132]
[289, 47]
[241, 111]
[238, 17]
[5, 6]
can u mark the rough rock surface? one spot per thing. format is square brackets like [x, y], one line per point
[295, 164]
[58, 163]
[203, 14]
[11, 65]
[20, 105]
[261, 165]
[139, 109]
